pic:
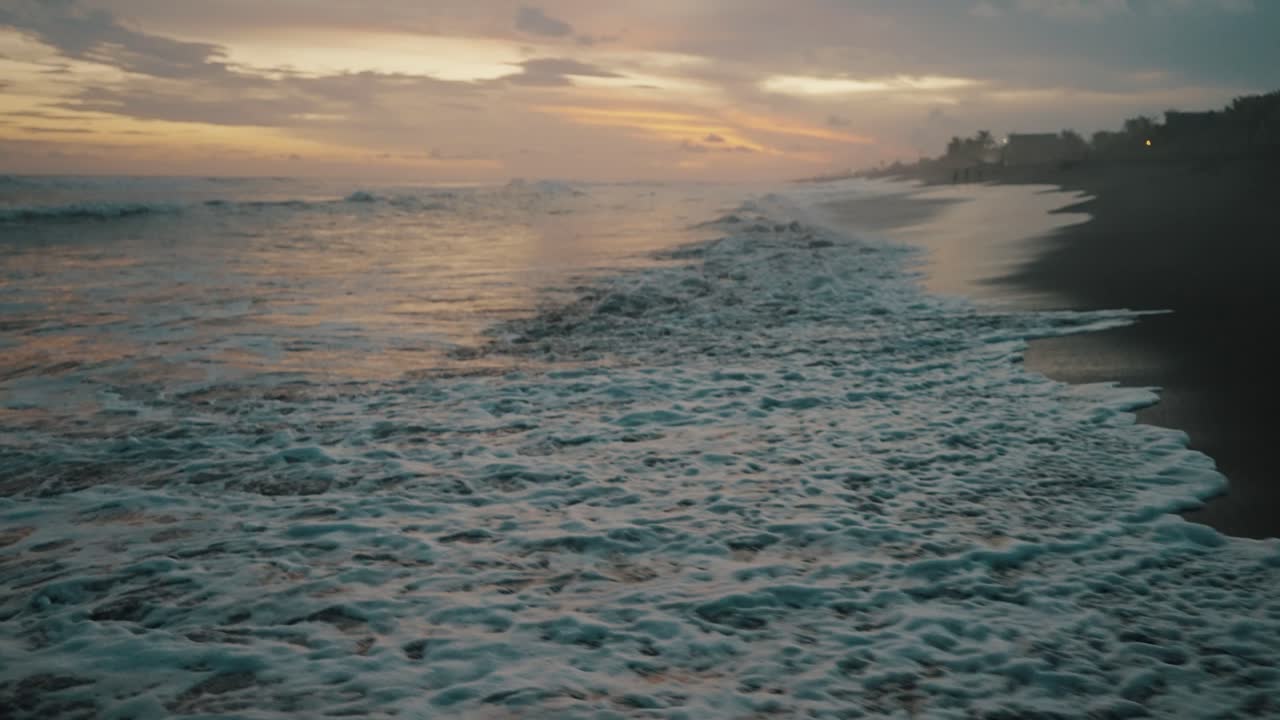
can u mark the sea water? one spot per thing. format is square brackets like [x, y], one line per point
[272, 448]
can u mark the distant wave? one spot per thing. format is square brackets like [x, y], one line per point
[429, 201]
[257, 204]
[83, 211]
[360, 197]
[543, 187]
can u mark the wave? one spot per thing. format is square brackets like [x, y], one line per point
[84, 211]
[776, 480]
[362, 196]
[260, 204]
[517, 192]
[543, 187]
[429, 201]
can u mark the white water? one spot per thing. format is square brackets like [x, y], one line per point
[763, 475]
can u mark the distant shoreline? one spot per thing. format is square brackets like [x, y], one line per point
[1195, 236]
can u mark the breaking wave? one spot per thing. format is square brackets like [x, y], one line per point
[83, 211]
[96, 209]
[775, 480]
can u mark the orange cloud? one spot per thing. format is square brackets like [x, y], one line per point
[665, 124]
[684, 126]
[778, 126]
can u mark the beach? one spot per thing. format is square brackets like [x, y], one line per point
[1192, 241]
[1198, 239]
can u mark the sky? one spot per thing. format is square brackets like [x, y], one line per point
[480, 90]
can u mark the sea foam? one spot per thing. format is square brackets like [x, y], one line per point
[772, 479]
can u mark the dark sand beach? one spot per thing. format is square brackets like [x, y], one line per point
[1201, 239]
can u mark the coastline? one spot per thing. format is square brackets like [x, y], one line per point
[1193, 237]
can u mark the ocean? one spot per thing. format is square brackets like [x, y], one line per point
[277, 448]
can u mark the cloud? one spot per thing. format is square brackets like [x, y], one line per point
[534, 21]
[1096, 10]
[792, 82]
[802, 85]
[95, 35]
[1237, 6]
[240, 99]
[144, 101]
[718, 146]
[180, 81]
[555, 72]
[57, 131]
[929, 135]
[590, 40]
[1075, 9]
[438, 154]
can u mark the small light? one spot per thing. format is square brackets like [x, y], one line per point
[1148, 143]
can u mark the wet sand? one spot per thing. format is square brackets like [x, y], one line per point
[1201, 239]
[971, 233]
[1198, 238]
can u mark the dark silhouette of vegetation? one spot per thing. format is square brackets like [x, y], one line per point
[971, 150]
[1257, 115]
[1073, 143]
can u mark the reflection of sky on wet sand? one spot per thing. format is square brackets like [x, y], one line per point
[987, 233]
[972, 234]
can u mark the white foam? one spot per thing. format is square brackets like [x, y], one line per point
[777, 480]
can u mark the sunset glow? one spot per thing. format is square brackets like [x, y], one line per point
[466, 92]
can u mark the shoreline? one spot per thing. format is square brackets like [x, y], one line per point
[775, 457]
[1193, 237]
